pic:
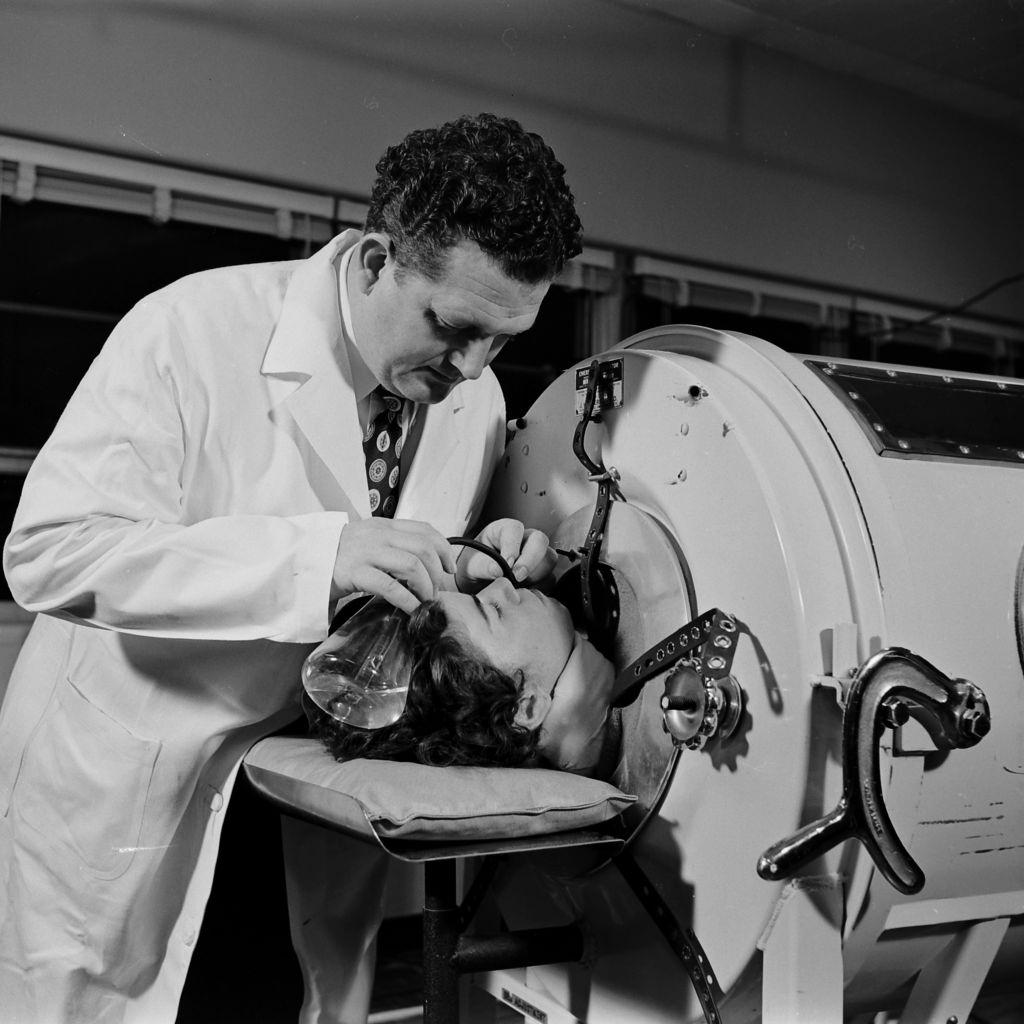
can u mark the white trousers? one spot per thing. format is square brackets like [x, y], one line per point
[335, 904]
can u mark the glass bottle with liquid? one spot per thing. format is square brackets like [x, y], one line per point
[360, 674]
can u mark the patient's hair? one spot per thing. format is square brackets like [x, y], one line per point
[460, 709]
[484, 179]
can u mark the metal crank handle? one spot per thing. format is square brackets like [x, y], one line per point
[889, 688]
[788, 855]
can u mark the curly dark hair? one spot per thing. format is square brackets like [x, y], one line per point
[460, 710]
[479, 178]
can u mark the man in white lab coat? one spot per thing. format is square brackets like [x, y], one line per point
[201, 506]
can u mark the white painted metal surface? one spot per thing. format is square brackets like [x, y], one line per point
[774, 506]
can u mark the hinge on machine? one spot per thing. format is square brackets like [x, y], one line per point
[843, 663]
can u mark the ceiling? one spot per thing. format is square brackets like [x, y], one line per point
[967, 55]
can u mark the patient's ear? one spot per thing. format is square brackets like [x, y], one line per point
[533, 706]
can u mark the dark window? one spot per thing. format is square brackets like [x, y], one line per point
[790, 335]
[67, 275]
[530, 362]
[857, 336]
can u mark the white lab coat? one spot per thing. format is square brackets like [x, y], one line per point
[179, 530]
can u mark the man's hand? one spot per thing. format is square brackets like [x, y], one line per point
[528, 553]
[398, 559]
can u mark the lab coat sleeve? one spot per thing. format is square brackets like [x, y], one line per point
[101, 535]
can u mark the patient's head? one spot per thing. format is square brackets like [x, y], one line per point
[484, 667]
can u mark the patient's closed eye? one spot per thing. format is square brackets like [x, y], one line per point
[483, 609]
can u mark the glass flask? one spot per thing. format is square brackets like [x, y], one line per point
[360, 674]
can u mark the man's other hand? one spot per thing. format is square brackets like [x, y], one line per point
[528, 553]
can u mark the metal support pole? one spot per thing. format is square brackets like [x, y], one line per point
[441, 927]
[448, 954]
[525, 948]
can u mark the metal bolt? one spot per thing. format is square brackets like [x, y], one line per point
[891, 373]
[947, 380]
[976, 724]
[1000, 385]
[895, 713]
[965, 449]
[904, 444]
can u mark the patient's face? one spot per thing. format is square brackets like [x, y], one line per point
[514, 630]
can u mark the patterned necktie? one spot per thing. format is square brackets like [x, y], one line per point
[382, 447]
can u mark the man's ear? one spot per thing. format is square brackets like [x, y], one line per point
[372, 253]
[534, 704]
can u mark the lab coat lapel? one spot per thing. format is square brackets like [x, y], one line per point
[437, 445]
[308, 370]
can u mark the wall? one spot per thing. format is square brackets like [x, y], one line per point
[677, 142]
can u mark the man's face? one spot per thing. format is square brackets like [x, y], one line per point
[421, 337]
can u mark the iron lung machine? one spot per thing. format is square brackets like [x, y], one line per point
[837, 812]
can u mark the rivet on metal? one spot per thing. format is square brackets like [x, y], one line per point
[904, 444]
[878, 427]
[723, 641]
[854, 395]
[891, 373]
[524, 487]
[526, 449]
[716, 662]
[947, 380]
[965, 449]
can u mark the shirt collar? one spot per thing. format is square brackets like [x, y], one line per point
[363, 381]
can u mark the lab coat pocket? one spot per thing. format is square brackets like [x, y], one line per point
[84, 781]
